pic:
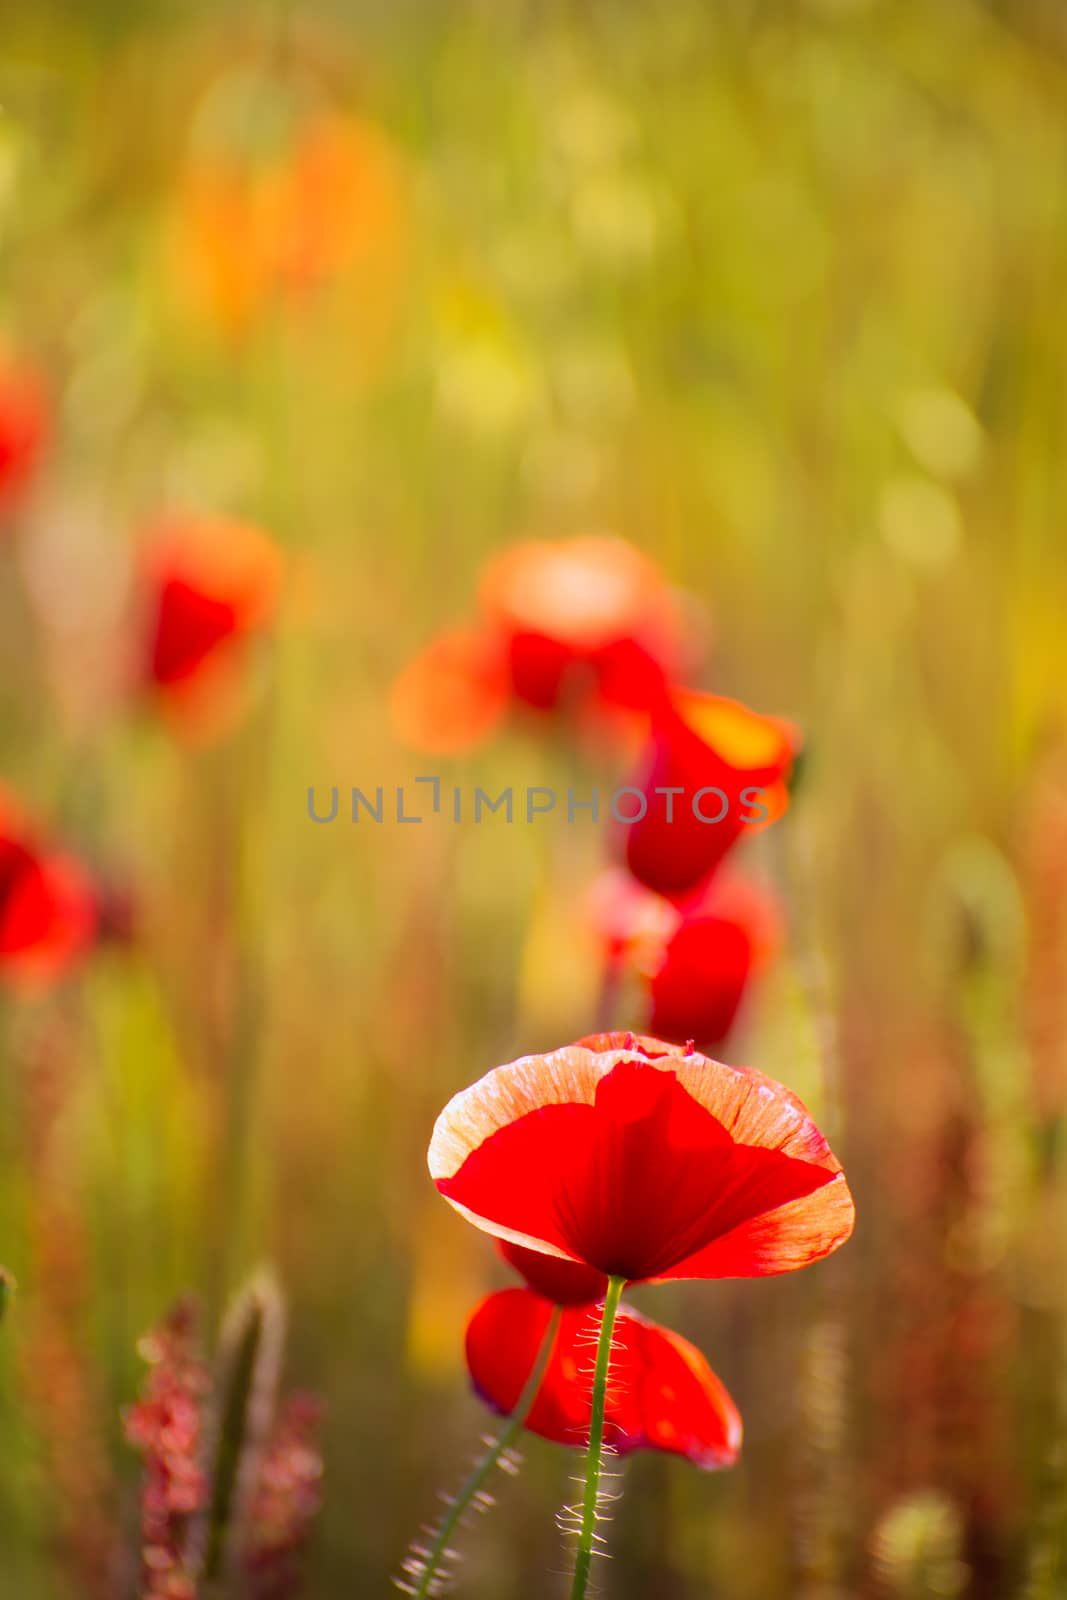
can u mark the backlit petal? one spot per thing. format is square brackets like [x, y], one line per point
[643, 1168]
[662, 1394]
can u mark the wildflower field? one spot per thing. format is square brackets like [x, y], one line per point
[533, 800]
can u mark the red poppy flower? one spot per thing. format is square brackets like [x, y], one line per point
[585, 624]
[697, 957]
[643, 1161]
[23, 427]
[213, 584]
[729, 768]
[662, 1394]
[47, 906]
[722, 941]
[593, 607]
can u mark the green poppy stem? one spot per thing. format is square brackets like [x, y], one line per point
[430, 1564]
[594, 1458]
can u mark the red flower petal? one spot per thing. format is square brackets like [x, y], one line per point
[567, 1283]
[705, 742]
[678, 1166]
[452, 694]
[698, 989]
[586, 592]
[704, 969]
[23, 427]
[47, 907]
[662, 1395]
[590, 614]
[212, 582]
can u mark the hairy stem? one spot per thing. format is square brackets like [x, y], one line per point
[594, 1455]
[483, 1467]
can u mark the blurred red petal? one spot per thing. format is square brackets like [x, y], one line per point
[23, 427]
[211, 580]
[582, 616]
[701, 975]
[677, 1166]
[662, 1394]
[452, 694]
[48, 913]
[706, 742]
[697, 991]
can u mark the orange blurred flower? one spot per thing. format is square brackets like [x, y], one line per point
[255, 228]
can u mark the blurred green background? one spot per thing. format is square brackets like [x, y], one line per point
[773, 290]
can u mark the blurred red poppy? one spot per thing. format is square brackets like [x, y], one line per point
[728, 767]
[643, 1161]
[697, 989]
[583, 624]
[47, 906]
[662, 1396]
[583, 614]
[697, 956]
[23, 427]
[212, 585]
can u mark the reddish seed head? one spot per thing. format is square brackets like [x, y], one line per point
[286, 1501]
[643, 1161]
[662, 1394]
[165, 1427]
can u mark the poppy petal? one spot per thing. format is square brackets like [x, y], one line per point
[583, 615]
[643, 1168]
[714, 769]
[703, 973]
[452, 694]
[698, 989]
[662, 1394]
[211, 580]
[566, 1283]
[23, 427]
[48, 916]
